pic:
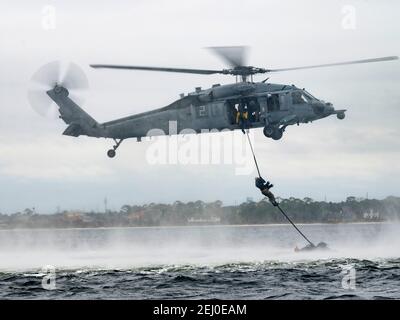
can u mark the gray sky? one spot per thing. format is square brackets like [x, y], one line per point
[41, 168]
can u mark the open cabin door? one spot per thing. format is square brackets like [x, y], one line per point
[278, 106]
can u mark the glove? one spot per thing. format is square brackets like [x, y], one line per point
[269, 185]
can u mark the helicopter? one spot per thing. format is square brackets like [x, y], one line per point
[242, 105]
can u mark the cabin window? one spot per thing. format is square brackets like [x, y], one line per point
[273, 102]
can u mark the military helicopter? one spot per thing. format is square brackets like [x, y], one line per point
[241, 105]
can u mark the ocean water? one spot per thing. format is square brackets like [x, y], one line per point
[205, 262]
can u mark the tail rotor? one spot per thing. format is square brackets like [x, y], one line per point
[49, 76]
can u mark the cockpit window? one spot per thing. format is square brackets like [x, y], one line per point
[310, 95]
[300, 97]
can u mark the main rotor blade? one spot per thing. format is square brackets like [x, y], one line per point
[235, 56]
[180, 70]
[336, 64]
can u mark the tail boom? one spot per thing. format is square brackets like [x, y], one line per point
[80, 122]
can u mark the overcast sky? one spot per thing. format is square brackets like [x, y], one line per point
[329, 158]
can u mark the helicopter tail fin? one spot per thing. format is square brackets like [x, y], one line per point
[80, 122]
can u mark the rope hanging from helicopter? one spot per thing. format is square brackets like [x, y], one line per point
[275, 203]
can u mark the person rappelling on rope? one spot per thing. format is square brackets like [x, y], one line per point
[265, 187]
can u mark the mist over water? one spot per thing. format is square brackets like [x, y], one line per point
[205, 245]
[190, 261]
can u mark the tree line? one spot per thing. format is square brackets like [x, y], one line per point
[198, 212]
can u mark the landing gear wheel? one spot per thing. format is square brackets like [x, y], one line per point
[268, 131]
[111, 153]
[277, 134]
[341, 116]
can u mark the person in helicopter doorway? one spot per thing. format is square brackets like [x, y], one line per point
[265, 187]
[242, 116]
[254, 110]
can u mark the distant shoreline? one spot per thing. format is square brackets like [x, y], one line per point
[204, 226]
[199, 213]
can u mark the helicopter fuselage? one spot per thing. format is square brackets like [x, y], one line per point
[267, 105]
[235, 106]
[241, 105]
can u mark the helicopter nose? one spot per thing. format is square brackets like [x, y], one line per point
[329, 109]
